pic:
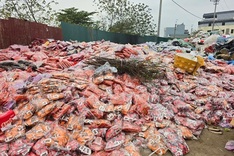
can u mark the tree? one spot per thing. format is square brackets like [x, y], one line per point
[73, 16]
[31, 10]
[125, 17]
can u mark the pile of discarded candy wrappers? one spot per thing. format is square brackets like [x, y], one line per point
[52, 102]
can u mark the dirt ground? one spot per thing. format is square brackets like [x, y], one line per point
[209, 144]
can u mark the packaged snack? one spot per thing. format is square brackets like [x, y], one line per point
[38, 131]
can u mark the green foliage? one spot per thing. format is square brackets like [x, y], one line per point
[31, 10]
[125, 17]
[73, 16]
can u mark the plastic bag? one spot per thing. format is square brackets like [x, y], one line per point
[114, 130]
[154, 140]
[174, 141]
[58, 137]
[102, 70]
[115, 142]
[38, 132]
[39, 148]
[191, 124]
[230, 145]
[20, 147]
[142, 107]
[98, 144]
[131, 127]
[84, 136]
[75, 122]
[132, 150]
[16, 132]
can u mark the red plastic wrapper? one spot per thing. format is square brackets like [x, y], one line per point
[75, 122]
[114, 130]
[93, 102]
[142, 107]
[40, 148]
[174, 141]
[115, 142]
[131, 127]
[72, 145]
[191, 124]
[38, 132]
[58, 138]
[101, 153]
[155, 140]
[83, 136]
[186, 133]
[4, 147]
[159, 112]
[40, 103]
[121, 99]
[55, 96]
[98, 144]
[14, 133]
[63, 110]
[6, 118]
[33, 121]
[182, 106]
[20, 147]
[132, 150]
[99, 132]
[46, 110]
[97, 113]
[100, 124]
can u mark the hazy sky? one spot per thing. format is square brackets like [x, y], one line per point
[171, 13]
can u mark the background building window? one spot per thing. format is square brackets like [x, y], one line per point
[209, 24]
[223, 23]
[232, 31]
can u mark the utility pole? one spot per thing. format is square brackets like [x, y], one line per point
[216, 2]
[159, 17]
[175, 28]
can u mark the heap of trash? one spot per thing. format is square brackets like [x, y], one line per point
[104, 99]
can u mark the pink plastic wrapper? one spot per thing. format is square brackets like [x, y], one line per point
[115, 142]
[174, 141]
[98, 144]
[131, 127]
[4, 147]
[191, 124]
[230, 145]
[39, 147]
[159, 112]
[20, 147]
[114, 130]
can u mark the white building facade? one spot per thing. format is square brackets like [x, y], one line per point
[224, 21]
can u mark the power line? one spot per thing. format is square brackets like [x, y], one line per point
[186, 10]
[191, 12]
[226, 4]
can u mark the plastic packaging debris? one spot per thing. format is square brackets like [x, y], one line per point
[66, 107]
[174, 142]
[230, 145]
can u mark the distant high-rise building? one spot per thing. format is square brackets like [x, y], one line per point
[224, 21]
[178, 31]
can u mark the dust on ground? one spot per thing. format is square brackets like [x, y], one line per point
[209, 144]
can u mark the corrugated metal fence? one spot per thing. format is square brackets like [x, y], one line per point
[79, 33]
[15, 31]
